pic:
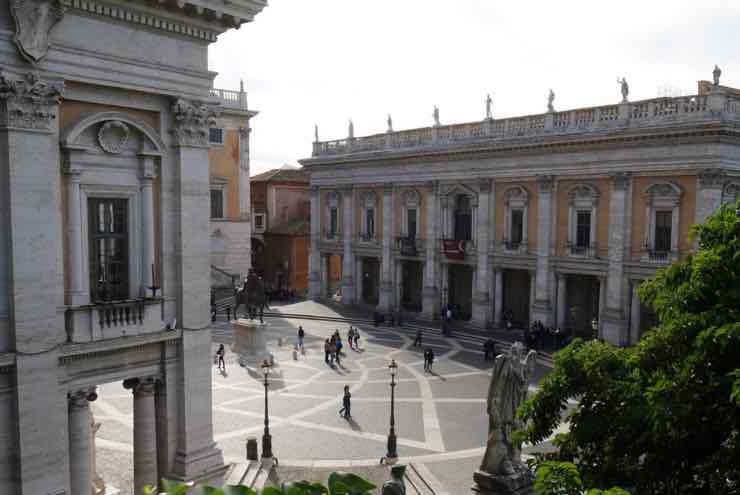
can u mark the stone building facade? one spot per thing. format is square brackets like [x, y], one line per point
[230, 209]
[555, 217]
[105, 107]
[281, 211]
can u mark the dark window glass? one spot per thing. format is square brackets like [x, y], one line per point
[333, 221]
[216, 135]
[370, 222]
[463, 218]
[258, 220]
[517, 226]
[583, 229]
[411, 218]
[217, 203]
[108, 222]
[663, 224]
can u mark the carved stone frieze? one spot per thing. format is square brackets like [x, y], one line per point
[191, 122]
[28, 102]
[711, 178]
[33, 22]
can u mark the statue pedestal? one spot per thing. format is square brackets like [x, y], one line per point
[502, 484]
[250, 342]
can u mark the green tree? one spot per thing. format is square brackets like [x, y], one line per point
[662, 417]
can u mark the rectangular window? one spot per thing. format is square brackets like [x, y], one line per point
[216, 135]
[583, 229]
[517, 227]
[108, 226]
[663, 226]
[217, 203]
[333, 221]
[411, 219]
[259, 222]
[370, 223]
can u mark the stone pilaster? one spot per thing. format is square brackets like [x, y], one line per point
[80, 445]
[481, 298]
[562, 300]
[242, 258]
[314, 258]
[385, 303]
[75, 292]
[498, 294]
[542, 307]
[145, 432]
[147, 224]
[348, 258]
[635, 313]
[196, 452]
[430, 292]
[709, 193]
[614, 323]
[30, 192]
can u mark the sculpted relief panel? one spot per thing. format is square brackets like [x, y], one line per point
[34, 20]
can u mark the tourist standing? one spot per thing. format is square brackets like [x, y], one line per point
[428, 359]
[350, 337]
[327, 351]
[417, 339]
[345, 411]
[220, 357]
[301, 335]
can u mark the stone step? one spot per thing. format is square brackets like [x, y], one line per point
[420, 481]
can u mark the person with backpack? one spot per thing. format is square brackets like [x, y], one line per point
[345, 411]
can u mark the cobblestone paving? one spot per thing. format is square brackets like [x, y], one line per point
[441, 418]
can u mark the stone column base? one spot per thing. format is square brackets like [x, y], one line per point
[489, 484]
[385, 297]
[314, 286]
[348, 291]
[430, 303]
[481, 309]
[542, 311]
[614, 327]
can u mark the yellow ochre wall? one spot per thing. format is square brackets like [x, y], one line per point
[224, 162]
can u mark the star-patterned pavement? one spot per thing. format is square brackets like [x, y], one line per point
[441, 419]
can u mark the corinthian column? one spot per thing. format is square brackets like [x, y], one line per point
[542, 308]
[145, 433]
[348, 259]
[242, 257]
[385, 303]
[80, 447]
[314, 258]
[430, 293]
[614, 322]
[709, 193]
[75, 292]
[481, 298]
[147, 223]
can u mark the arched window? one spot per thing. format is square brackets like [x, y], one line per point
[463, 218]
[368, 204]
[662, 214]
[583, 200]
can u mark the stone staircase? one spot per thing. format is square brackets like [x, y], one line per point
[252, 474]
[420, 481]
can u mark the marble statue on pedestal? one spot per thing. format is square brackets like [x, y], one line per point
[502, 470]
[550, 100]
[625, 89]
[716, 73]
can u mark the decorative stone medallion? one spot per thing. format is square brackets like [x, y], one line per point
[113, 136]
[33, 22]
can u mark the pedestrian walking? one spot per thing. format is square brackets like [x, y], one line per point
[301, 335]
[350, 337]
[417, 339]
[428, 359]
[346, 409]
[357, 339]
[327, 350]
[489, 350]
[220, 357]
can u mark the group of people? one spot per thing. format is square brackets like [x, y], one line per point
[535, 336]
[333, 349]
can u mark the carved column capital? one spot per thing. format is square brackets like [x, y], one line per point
[191, 122]
[711, 178]
[29, 102]
[389, 188]
[245, 131]
[545, 183]
[141, 386]
[484, 185]
[80, 399]
[621, 181]
[148, 169]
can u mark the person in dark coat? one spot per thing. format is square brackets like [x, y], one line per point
[220, 355]
[417, 339]
[345, 411]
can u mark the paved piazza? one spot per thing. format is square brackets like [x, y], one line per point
[441, 420]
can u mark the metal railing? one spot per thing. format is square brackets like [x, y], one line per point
[584, 251]
[367, 237]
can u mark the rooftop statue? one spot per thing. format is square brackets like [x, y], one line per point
[489, 107]
[716, 73]
[390, 123]
[435, 114]
[550, 99]
[351, 129]
[625, 88]
[315, 133]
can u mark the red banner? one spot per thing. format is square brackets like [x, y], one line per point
[454, 249]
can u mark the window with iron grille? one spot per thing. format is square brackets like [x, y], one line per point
[583, 229]
[333, 221]
[517, 226]
[216, 135]
[463, 219]
[217, 203]
[663, 226]
[370, 222]
[108, 227]
[411, 219]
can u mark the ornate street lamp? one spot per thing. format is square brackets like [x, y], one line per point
[266, 438]
[392, 455]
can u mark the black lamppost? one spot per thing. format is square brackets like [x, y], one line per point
[392, 455]
[266, 438]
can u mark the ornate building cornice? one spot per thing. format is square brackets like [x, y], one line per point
[711, 178]
[191, 122]
[28, 102]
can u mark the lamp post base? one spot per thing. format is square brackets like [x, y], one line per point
[267, 446]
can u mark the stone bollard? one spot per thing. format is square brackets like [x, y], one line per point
[295, 353]
[252, 454]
